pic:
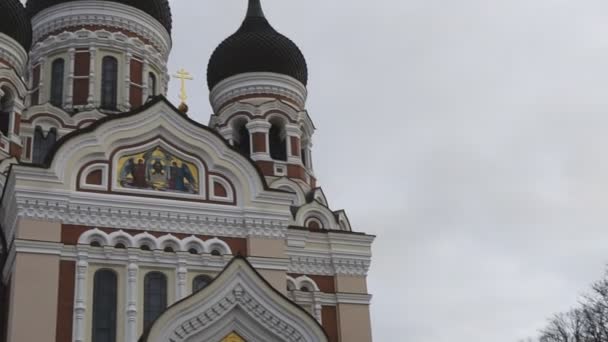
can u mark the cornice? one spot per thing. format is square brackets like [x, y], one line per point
[12, 52]
[94, 13]
[85, 38]
[257, 83]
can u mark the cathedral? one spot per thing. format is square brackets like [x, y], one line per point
[124, 220]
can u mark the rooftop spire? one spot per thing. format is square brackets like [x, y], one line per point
[255, 9]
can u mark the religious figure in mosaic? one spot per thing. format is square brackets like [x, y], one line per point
[158, 170]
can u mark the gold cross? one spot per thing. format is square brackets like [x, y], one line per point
[183, 76]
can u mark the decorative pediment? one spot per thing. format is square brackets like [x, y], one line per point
[79, 182]
[239, 302]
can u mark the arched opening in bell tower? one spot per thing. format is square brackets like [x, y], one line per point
[241, 137]
[277, 139]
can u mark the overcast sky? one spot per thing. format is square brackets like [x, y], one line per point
[469, 136]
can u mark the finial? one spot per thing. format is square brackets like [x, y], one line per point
[183, 108]
[255, 9]
[183, 76]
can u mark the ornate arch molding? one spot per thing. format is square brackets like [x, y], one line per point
[65, 121]
[238, 300]
[289, 185]
[316, 211]
[9, 79]
[158, 121]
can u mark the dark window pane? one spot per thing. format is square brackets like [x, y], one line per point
[155, 296]
[43, 144]
[244, 143]
[104, 306]
[278, 146]
[57, 76]
[200, 283]
[109, 83]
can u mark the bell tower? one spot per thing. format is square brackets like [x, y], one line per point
[98, 55]
[257, 78]
[15, 41]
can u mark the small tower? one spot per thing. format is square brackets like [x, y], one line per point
[257, 78]
[15, 40]
[98, 54]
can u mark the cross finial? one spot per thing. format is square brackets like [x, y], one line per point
[183, 76]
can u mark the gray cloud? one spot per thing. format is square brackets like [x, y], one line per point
[468, 135]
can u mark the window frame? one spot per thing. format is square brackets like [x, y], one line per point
[109, 83]
[155, 300]
[57, 82]
[107, 301]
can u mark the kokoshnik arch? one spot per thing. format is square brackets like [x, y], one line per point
[124, 220]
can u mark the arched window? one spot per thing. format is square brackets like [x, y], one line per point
[278, 145]
[43, 143]
[151, 84]
[104, 306]
[109, 83]
[155, 296]
[57, 76]
[200, 283]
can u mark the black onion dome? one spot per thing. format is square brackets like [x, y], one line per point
[158, 9]
[15, 23]
[256, 47]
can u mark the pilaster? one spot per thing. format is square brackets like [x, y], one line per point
[181, 278]
[127, 81]
[131, 300]
[93, 57]
[69, 99]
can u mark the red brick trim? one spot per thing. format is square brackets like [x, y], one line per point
[329, 317]
[65, 302]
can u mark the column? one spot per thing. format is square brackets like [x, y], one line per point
[293, 133]
[259, 141]
[42, 97]
[317, 307]
[80, 297]
[69, 99]
[131, 300]
[92, 65]
[127, 82]
[308, 152]
[182, 275]
[144, 83]
[227, 133]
